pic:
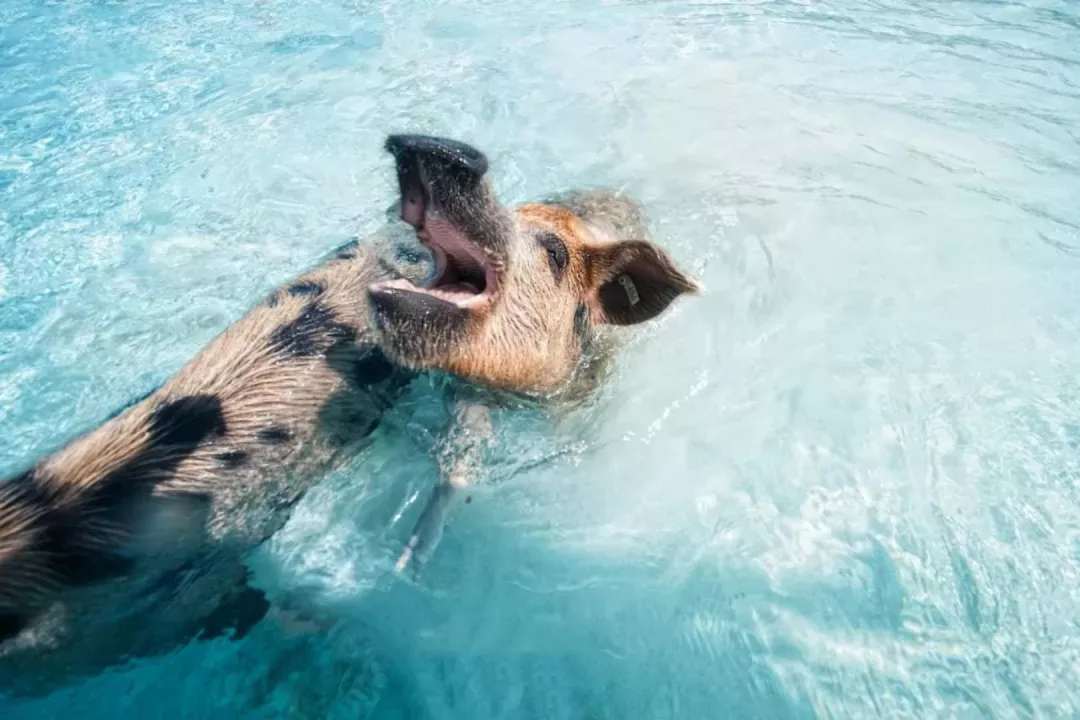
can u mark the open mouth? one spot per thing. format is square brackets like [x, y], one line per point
[430, 171]
[463, 275]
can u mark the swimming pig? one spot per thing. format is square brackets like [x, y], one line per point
[132, 537]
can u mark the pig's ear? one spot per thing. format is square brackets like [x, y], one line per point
[634, 282]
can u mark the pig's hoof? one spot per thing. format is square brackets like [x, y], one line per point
[403, 560]
[410, 556]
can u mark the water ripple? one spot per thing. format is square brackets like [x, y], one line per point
[841, 484]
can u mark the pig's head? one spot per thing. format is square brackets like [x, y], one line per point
[517, 298]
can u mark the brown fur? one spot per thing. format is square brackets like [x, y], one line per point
[529, 339]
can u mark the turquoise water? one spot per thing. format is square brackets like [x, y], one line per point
[841, 484]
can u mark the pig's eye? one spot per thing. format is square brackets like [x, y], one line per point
[558, 257]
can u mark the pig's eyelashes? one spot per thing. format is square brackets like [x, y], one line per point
[558, 257]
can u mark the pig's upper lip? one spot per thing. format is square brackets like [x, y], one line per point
[464, 275]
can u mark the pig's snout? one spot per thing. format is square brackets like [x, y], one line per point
[433, 173]
[451, 154]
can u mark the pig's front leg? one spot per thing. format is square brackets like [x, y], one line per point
[460, 466]
[429, 528]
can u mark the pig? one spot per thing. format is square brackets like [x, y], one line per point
[131, 538]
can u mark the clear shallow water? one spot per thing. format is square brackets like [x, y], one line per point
[842, 484]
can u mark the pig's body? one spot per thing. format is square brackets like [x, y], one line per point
[132, 537]
[140, 527]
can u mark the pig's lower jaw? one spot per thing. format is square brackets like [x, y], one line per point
[459, 294]
[416, 329]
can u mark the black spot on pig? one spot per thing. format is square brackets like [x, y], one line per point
[309, 289]
[314, 332]
[372, 368]
[370, 371]
[346, 418]
[232, 459]
[62, 529]
[274, 435]
[69, 533]
[187, 421]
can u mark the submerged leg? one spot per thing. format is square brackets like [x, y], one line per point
[429, 528]
[470, 431]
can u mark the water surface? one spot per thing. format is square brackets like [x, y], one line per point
[841, 484]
